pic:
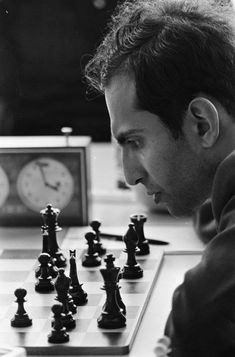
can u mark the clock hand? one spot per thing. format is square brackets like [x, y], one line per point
[46, 183]
[54, 187]
[39, 164]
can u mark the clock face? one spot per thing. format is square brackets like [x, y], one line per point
[45, 180]
[4, 187]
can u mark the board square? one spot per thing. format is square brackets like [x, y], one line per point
[8, 276]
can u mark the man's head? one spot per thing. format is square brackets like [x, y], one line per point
[167, 69]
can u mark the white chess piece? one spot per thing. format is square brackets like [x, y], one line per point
[163, 347]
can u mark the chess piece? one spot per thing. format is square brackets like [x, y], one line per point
[21, 318]
[78, 294]
[58, 333]
[95, 225]
[71, 304]
[53, 270]
[62, 285]
[50, 216]
[65, 281]
[44, 283]
[111, 316]
[143, 245]
[109, 260]
[91, 259]
[131, 269]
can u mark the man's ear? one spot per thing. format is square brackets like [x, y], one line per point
[204, 120]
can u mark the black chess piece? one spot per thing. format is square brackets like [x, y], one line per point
[109, 260]
[95, 225]
[21, 318]
[65, 282]
[53, 270]
[58, 333]
[131, 269]
[111, 316]
[143, 244]
[45, 283]
[50, 216]
[62, 285]
[91, 258]
[72, 306]
[78, 294]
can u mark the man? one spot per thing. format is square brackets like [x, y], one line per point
[167, 70]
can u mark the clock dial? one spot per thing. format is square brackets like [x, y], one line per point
[45, 180]
[4, 187]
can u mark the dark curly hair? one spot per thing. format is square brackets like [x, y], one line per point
[174, 49]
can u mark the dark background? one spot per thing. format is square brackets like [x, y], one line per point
[51, 41]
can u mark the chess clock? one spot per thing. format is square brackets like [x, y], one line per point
[38, 170]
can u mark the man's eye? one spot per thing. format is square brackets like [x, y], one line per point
[133, 142]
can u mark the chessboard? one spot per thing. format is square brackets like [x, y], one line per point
[17, 270]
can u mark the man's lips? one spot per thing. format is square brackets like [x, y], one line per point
[156, 196]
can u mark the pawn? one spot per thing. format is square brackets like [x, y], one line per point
[91, 259]
[53, 270]
[21, 318]
[58, 333]
[44, 283]
[95, 225]
[131, 269]
[143, 244]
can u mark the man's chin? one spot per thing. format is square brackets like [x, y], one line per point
[179, 212]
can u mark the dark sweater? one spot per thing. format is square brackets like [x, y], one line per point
[202, 320]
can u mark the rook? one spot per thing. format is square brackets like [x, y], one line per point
[44, 283]
[143, 245]
[131, 269]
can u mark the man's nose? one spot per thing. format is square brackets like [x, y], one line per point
[133, 171]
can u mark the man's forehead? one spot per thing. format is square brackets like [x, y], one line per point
[120, 96]
[123, 86]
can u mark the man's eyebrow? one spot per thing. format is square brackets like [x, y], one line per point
[122, 136]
